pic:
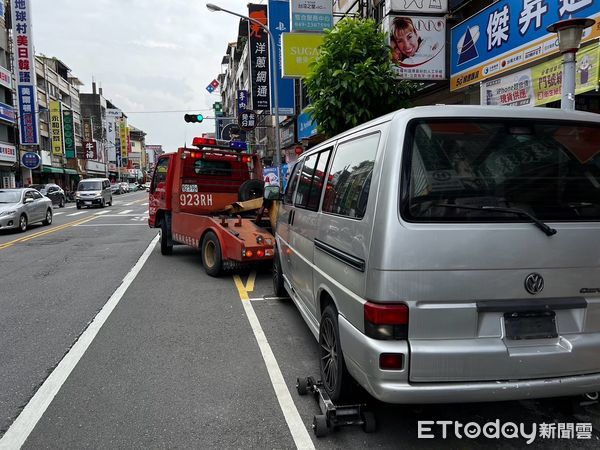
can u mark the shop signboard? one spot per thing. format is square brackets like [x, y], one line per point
[417, 6]
[26, 91]
[7, 113]
[270, 176]
[90, 150]
[242, 100]
[307, 127]
[418, 46]
[259, 58]
[123, 138]
[5, 77]
[311, 15]
[279, 22]
[8, 153]
[69, 133]
[56, 135]
[509, 34]
[299, 50]
[31, 160]
[542, 83]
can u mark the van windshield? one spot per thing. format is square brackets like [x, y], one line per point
[454, 167]
[90, 186]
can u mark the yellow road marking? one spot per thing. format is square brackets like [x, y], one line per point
[45, 232]
[244, 289]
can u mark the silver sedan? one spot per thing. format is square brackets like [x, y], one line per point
[20, 207]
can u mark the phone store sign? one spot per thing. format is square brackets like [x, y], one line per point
[509, 34]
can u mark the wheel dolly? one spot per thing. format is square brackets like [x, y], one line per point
[333, 416]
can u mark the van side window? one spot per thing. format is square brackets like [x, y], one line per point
[291, 186]
[310, 184]
[349, 179]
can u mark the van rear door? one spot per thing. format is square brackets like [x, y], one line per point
[494, 293]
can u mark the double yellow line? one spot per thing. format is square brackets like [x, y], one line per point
[45, 232]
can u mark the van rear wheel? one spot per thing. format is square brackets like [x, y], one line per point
[336, 380]
[211, 255]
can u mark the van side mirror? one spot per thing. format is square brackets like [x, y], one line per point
[272, 193]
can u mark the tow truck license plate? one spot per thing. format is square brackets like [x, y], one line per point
[530, 325]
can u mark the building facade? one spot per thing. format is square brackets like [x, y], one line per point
[8, 150]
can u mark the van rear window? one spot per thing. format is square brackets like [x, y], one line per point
[455, 168]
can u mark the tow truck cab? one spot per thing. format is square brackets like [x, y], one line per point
[189, 193]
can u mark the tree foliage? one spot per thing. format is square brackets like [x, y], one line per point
[352, 80]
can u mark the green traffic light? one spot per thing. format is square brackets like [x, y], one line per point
[193, 118]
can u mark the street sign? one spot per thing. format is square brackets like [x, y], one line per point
[247, 120]
[31, 160]
[89, 150]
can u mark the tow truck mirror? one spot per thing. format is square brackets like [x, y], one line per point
[272, 193]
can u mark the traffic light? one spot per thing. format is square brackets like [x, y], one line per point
[193, 118]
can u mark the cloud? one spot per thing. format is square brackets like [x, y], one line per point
[154, 44]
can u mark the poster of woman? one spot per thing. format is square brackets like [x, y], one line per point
[418, 46]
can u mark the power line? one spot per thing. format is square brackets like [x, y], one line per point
[171, 111]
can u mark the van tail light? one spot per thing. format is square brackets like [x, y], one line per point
[386, 321]
[391, 361]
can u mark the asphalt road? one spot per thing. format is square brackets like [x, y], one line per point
[178, 363]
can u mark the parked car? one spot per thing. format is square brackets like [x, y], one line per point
[133, 187]
[124, 186]
[53, 191]
[449, 254]
[116, 189]
[20, 207]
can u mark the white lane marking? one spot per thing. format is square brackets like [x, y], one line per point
[124, 215]
[57, 213]
[145, 204]
[291, 414]
[113, 225]
[22, 427]
[288, 408]
[125, 211]
[106, 211]
[128, 204]
[69, 207]
[77, 213]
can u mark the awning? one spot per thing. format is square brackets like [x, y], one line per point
[51, 169]
[71, 172]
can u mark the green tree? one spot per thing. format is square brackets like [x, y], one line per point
[352, 80]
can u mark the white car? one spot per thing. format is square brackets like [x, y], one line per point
[20, 207]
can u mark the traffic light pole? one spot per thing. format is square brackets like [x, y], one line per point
[277, 157]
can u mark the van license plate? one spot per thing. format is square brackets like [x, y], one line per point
[530, 325]
[87, 203]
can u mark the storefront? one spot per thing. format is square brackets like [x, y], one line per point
[505, 56]
[8, 164]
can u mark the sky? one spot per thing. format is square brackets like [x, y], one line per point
[147, 55]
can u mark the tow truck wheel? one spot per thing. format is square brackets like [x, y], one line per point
[165, 247]
[211, 254]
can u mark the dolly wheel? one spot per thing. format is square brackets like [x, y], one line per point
[320, 425]
[302, 386]
[369, 423]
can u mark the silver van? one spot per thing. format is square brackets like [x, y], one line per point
[93, 192]
[450, 254]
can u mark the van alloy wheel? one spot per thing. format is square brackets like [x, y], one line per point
[337, 382]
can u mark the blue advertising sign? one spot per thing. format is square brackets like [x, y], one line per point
[511, 33]
[7, 113]
[270, 176]
[307, 127]
[279, 22]
[242, 100]
[31, 160]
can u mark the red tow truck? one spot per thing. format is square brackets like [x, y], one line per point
[191, 197]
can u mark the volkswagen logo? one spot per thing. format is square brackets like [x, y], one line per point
[534, 283]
